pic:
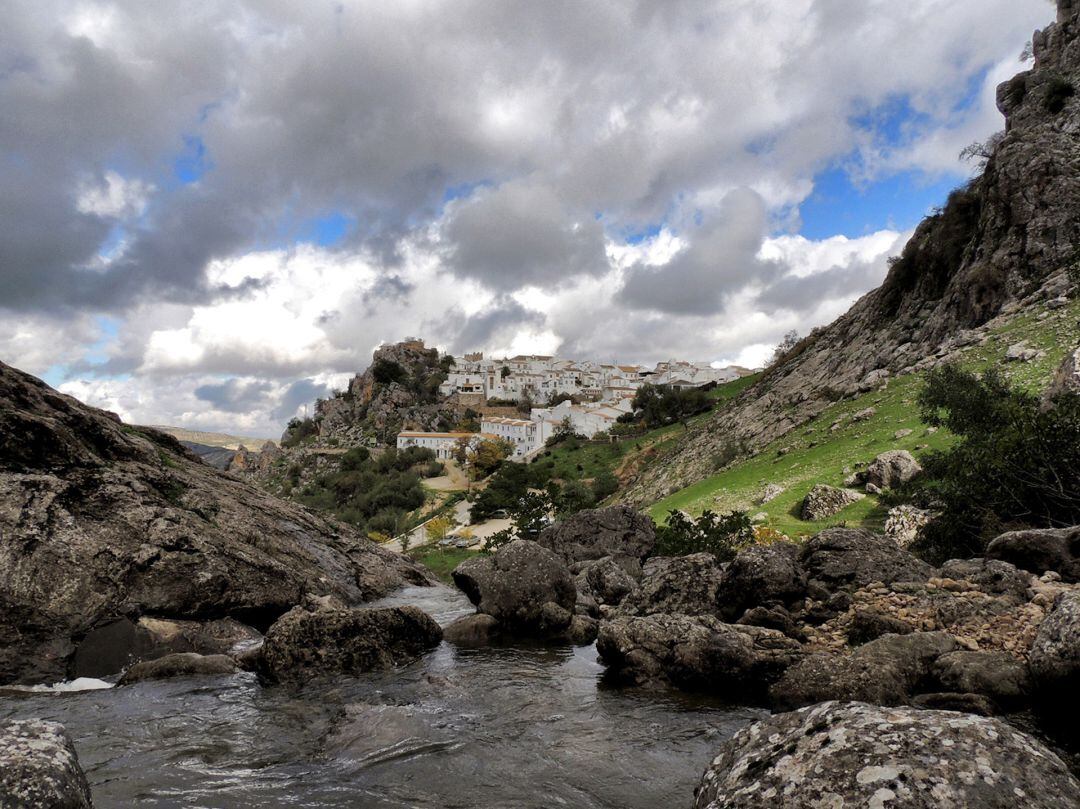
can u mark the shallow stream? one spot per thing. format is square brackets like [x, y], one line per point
[497, 727]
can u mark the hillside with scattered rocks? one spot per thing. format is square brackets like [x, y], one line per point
[1004, 244]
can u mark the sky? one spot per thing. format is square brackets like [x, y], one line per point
[212, 212]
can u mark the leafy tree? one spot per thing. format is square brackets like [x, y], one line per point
[1016, 463]
[505, 372]
[575, 496]
[297, 431]
[439, 527]
[722, 535]
[386, 371]
[660, 405]
[488, 455]
[508, 485]
[788, 342]
[604, 485]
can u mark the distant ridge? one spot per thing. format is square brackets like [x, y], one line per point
[220, 440]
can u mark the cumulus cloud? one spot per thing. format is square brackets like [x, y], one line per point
[602, 178]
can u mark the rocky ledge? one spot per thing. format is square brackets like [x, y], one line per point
[106, 527]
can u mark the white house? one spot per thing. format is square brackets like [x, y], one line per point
[442, 444]
[520, 433]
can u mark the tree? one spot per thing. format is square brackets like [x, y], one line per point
[488, 454]
[980, 152]
[439, 527]
[574, 497]
[789, 341]
[604, 485]
[505, 372]
[722, 535]
[1016, 463]
[386, 371]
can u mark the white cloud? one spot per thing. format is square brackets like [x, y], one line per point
[115, 197]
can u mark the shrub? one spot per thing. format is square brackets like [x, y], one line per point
[297, 431]
[721, 535]
[1016, 464]
[386, 371]
[604, 485]
[1058, 92]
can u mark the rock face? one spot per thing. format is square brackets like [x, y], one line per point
[695, 653]
[840, 558]
[102, 521]
[1040, 550]
[851, 754]
[762, 575]
[618, 532]
[397, 391]
[824, 501]
[998, 676]
[526, 588]
[1067, 377]
[605, 580]
[998, 246]
[1055, 654]
[334, 641]
[182, 664]
[39, 768]
[885, 671]
[891, 469]
[682, 585]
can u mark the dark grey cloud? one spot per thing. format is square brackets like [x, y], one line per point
[721, 259]
[235, 395]
[521, 234]
[805, 293]
[300, 392]
[502, 319]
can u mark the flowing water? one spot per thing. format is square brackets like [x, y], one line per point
[496, 727]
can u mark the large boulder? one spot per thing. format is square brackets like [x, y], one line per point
[886, 671]
[1055, 653]
[892, 469]
[825, 501]
[762, 575]
[847, 558]
[1067, 378]
[856, 755]
[39, 768]
[996, 675]
[344, 641]
[619, 531]
[696, 653]
[525, 587]
[685, 585]
[181, 664]
[990, 576]
[103, 521]
[607, 581]
[1040, 550]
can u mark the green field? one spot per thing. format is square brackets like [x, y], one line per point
[818, 453]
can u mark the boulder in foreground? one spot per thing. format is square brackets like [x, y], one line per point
[39, 768]
[620, 532]
[526, 588]
[857, 755]
[180, 664]
[345, 641]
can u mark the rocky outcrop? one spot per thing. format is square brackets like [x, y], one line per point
[851, 754]
[399, 390]
[762, 575]
[696, 653]
[998, 676]
[39, 768]
[526, 588]
[103, 521]
[344, 641]
[989, 576]
[1040, 550]
[182, 664]
[678, 585]
[846, 558]
[1055, 654]
[998, 246]
[826, 501]
[1067, 377]
[620, 532]
[886, 671]
[606, 581]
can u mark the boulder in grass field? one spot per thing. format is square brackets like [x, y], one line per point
[825, 501]
[891, 469]
[839, 755]
[39, 768]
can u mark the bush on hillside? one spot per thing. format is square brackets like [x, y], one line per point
[722, 535]
[1016, 463]
[297, 431]
[660, 405]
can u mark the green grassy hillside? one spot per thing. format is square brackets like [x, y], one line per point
[819, 452]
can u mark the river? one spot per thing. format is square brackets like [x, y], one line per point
[496, 727]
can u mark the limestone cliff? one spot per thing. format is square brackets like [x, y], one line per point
[1006, 240]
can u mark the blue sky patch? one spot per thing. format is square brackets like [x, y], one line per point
[193, 162]
[325, 231]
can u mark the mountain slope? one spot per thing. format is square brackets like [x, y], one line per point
[1007, 240]
[103, 522]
